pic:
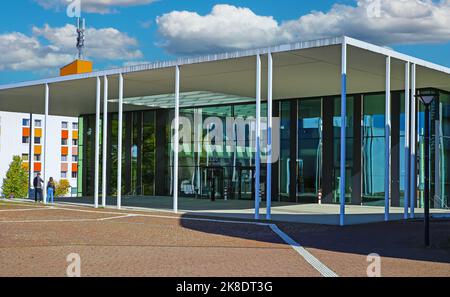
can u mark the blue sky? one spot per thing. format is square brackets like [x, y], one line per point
[37, 40]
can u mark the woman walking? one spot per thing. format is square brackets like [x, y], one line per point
[50, 190]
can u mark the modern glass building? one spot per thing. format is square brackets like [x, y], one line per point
[309, 133]
[343, 114]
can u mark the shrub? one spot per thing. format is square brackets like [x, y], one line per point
[15, 184]
[62, 188]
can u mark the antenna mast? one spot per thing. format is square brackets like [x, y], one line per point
[81, 28]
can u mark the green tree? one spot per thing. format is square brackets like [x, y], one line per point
[15, 184]
[62, 188]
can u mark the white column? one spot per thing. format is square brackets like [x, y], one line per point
[343, 130]
[119, 145]
[176, 139]
[269, 136]
[31, 157]
[407, 139]
[44, 151]
[258, 137]
[97, 142]
[105, 138]
[413, 167]
[387, 148]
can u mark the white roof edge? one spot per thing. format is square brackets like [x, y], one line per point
[394, 54]
[235, 55]
[182, 61]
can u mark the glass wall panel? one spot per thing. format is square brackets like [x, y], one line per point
[402, 149]
[443, 200]
[113, 143]
[148, 153]
[337, 123]
[373, 158]
[440, 116]
[309, 163]
[285, 154]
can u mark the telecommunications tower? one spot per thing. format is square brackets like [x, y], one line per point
[81, 28]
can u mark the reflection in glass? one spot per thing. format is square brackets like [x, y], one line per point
[309, 161]
[373, 149]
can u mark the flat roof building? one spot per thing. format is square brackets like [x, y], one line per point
[330, 121]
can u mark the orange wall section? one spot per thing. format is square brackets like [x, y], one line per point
[74, 134]
[37, 132]
[76, 67]
[37, 149]
[74, 167]
[37, 166]
[25, 132]
[64, 150]
[65, 134]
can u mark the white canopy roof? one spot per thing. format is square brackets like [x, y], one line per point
[304, 69]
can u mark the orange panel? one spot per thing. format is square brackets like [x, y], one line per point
[64, 134]
[37, 149]
[74, 134]
[37, 132]
[64, 150]
[76, 67]
[64, 166]
[25, 165]
[74, 151]
[25, 132]
[74, 167]
[37, 167]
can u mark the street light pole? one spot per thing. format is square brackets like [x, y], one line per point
[427, 175]
[427, 100]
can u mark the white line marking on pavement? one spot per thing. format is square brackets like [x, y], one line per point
[68, 220]
[313, 261]
[307, 256]
[24, 209]
[118, 217]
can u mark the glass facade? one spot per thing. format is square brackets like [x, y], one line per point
[218, 161]
[373, 161]
[309, 163]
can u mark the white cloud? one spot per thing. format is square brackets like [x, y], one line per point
[106, 43]
[228, 27]
[50, 47]
[93, 6]
[22, 52]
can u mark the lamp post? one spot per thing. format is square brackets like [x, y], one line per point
[427, 100]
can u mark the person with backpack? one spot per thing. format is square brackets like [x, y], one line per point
[37, 184]
[51, 190]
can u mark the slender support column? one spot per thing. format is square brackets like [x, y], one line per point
[105, 139]
[44, 159]
[258, 138]
[387, 149]
[269, 136]
[413, 167]
[407, 139]
[176, 139]
[343, 131]
[31, 154]
[97, 142]
[119, 145]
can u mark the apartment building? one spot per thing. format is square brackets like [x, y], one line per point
[22, 134]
